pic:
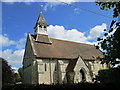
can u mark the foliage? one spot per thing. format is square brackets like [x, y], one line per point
[110, 43]
[20, 71]
[7, 72]
[109, 76]
[110, 5]
[17, 77]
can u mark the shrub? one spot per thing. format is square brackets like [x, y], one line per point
[80, 86]
[109, 76]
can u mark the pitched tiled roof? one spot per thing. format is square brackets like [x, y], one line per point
[71, 65]
[65, 49]
[42, 38]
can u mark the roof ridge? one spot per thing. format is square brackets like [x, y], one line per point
[71, 41]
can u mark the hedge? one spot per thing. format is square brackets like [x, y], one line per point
[80, 86]
[109, 76]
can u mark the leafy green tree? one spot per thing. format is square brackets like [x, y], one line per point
[20, 71]
[17, 77]
[110, 43]
[7, 72]
[115, 6]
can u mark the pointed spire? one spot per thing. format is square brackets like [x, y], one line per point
[41, 21]
[41, 25]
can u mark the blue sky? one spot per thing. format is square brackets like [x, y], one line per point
[66, 22]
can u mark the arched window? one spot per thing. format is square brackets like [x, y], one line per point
[55, 67]
[45, 67]
[82, 75]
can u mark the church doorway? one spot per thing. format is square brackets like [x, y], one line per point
[82, 75]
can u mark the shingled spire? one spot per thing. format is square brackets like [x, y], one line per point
[41, 25]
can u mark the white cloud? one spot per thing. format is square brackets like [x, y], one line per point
[14, 58]
[50, 4]
[5, 41]
[21, 43]
[77, 10]
[60, 32]
[97, 31]
[15, 69]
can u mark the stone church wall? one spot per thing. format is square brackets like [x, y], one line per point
[62, 71]
[94, 66]
[51, 71]
[54, 71]
[28, 63]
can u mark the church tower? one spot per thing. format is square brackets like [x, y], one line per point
[41, 25]
[40, 30]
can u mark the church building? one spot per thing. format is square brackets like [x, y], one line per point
[53, 61]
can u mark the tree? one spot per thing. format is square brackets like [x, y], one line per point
[7, 72]
[110, 43]
[20, 71]
[109, 5]
[17, 77]
[111, 75]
